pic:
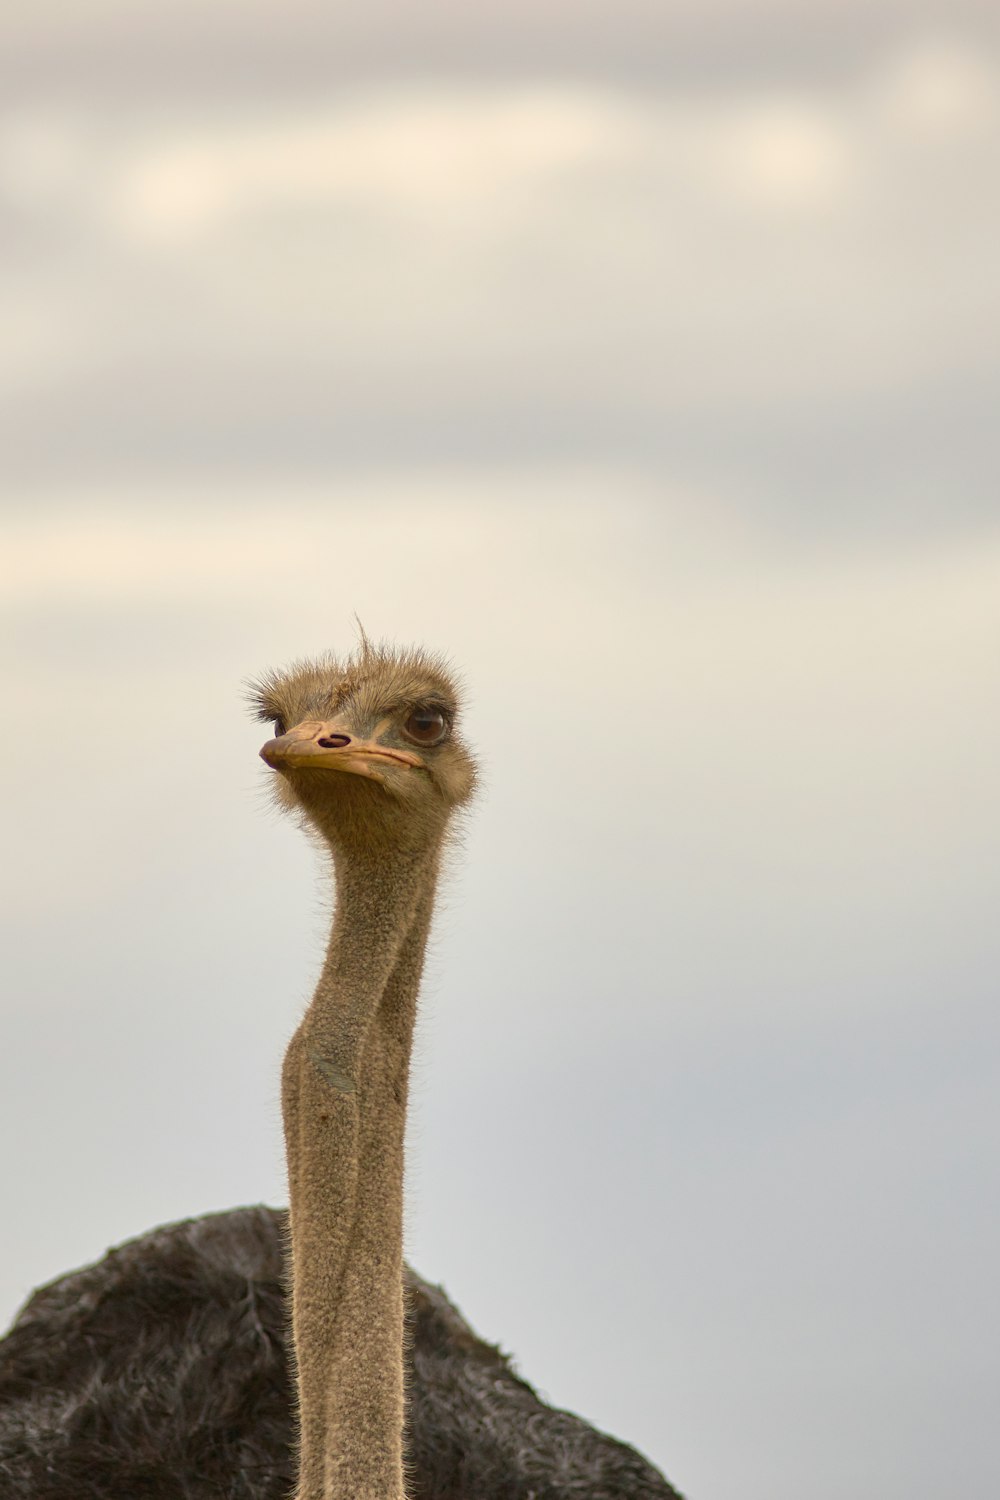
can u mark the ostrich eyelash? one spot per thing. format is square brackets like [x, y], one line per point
[427, 705]
[265, 712]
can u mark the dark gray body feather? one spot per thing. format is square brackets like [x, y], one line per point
[162, 1373]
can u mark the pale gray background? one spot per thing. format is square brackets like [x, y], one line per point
[645, 359]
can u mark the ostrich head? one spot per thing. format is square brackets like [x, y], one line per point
[367, 749]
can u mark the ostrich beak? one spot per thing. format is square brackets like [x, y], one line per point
[330, 747]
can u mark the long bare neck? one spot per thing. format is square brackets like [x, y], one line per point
[344, 1090]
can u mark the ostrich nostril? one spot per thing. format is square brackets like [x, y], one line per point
[334, 741]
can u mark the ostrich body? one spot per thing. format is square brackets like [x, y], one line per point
[163, 1371]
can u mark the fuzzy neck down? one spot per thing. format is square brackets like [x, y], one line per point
[344, 1090]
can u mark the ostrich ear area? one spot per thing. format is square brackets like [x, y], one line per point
[329, 747]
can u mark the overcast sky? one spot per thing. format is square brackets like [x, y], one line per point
[646, 362]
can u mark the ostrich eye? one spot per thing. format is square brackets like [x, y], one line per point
[426, 726]
[279, 728]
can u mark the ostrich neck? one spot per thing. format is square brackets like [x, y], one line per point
[344, 1092]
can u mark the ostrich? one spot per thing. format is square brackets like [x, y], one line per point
[165, 1369]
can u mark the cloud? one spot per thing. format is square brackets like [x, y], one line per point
[935, 87]
[553, 269]
[421, 154]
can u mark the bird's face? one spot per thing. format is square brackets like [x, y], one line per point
[368, 749]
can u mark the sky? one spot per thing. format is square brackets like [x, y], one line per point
[645, 361]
